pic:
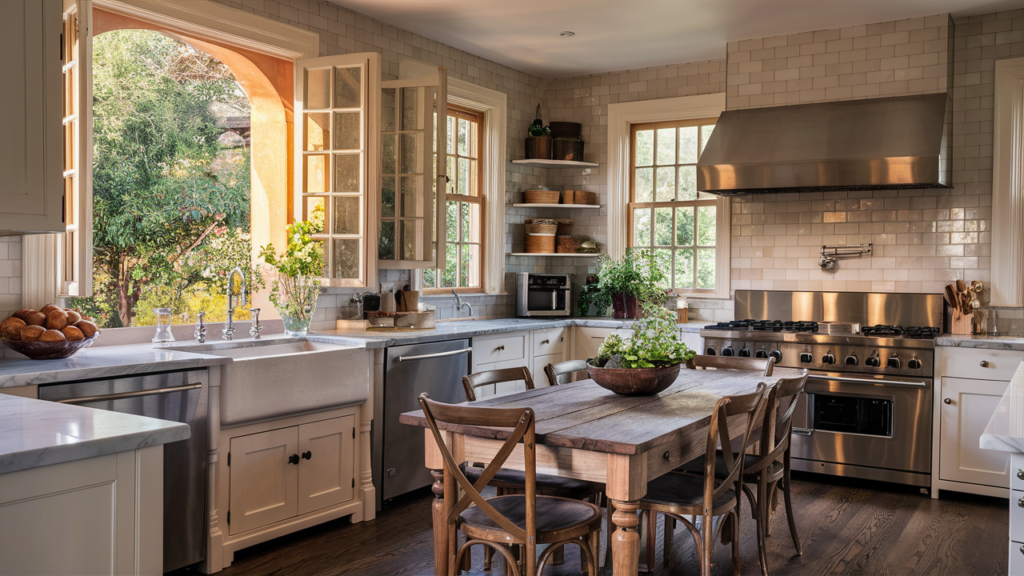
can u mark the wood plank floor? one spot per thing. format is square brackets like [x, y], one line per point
[846, 527]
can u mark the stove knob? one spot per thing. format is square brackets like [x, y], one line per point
[828, 359]
[851, 360]
[777, 354]
[761, 354]
[710, 351]
[914, 363]
[806, 358]
[744, 353]
[726, 351]
[894, 362]
[872, 361]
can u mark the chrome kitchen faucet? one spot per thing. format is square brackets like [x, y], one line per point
[459, 305]
[233, 301]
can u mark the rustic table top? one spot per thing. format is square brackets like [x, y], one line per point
[585, 416]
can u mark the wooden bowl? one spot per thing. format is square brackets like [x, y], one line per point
[634, 381]
[49, 350]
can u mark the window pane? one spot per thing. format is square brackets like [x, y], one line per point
[464, 266]
[706, 225]
[684, 226]
[430, 278]
[389, 155]
[410, 197]
[687, 182]
[463, 137]
[410, 238]
[316, 173]
[706, 268]
[452, 220]
[312, 203]
[453, 176]
[387, 196]
[666, 185]
[346, 215]
[411, 158]
[705, 135]
[645, 148]
[644, 184]
[474, 219]
[452, 128]
[450, 266]
[347, 87]
[346, 258]
[471, 262]
[688, 145]
[387, 110]
[346, 172]
[474, 144]
[664, 257]
[346, 130]
[663, 227]
[642, 227]
[386, 247]
[318, 89]
[318, 131]
[684, 269]
[410, 117]
[666, 146]
[464, 181]
[464, 222]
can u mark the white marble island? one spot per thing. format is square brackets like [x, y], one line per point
[1005, 433]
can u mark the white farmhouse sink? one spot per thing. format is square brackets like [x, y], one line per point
[271, 379]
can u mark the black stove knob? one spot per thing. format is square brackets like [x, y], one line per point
[872, 361]
[914, 363]
[761, 354]
[777, 354]
[893, 362]
[727, 351]
[744, 353]
[828, 359]
[806, 358]
[851, 360]
[710, 351]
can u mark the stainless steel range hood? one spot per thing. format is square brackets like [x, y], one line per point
[876, 144]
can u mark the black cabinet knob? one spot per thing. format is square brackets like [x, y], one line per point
[293, 459]
[307, 455]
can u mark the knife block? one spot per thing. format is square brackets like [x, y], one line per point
[961, 323]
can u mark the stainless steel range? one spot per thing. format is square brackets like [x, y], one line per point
[867, 412]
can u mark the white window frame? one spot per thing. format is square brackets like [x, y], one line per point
[1007, 286]
[494, 107]
[621, 117]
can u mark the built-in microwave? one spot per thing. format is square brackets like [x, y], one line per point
[543, 294]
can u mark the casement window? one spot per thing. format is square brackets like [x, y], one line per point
[666, 212]
[464, 206]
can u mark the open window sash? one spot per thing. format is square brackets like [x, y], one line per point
[74, 248]
[414, 124]
[337, 116]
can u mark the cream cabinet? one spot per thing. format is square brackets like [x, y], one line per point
[588, 340]
[532, 350]
[31, 146]
[279, 474]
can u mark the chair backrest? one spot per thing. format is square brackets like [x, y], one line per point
[778, 420]
[558, 373]
[719, 435]
[765, 365]
[522, 423]
[487, 377]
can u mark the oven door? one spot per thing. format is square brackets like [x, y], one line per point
[881, 422]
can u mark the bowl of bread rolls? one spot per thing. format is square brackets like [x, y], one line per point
[50, 333]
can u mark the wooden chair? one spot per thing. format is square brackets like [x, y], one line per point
[703, 362]
[480, 379]
[558, 373]
[521, 520]
[678, 495]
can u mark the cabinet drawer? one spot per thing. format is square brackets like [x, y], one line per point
[980, 364]
[500, 348]
[1016, 558]
[1017, 472]
[1017, 515]
[548, 341]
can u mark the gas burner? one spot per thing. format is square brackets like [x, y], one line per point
[881, 330]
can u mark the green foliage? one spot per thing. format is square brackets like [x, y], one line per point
[536, 130]
[655, 342]
[303, 255]
[168, 221]
[641, 273]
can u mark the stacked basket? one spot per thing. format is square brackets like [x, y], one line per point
[540, 235]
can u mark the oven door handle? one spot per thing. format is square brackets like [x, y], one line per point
[865, 381]
[803, 431]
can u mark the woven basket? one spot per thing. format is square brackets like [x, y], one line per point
[540, 244]
[564, 227]
[545, 229]
[566, 244]
[541, 196]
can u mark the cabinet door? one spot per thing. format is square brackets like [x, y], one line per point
[31, 148]
[264, 484]
[969, 408]
[540, 380]
[589, 340]
[326, 469]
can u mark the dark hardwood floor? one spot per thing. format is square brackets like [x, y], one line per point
[846, 527]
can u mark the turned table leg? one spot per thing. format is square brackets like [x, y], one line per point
[440, 525]
[626, 539]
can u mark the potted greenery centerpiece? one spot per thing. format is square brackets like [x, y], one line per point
[638, 278]
[298, 274]
[646, 363]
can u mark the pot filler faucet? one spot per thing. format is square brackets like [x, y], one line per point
[459, 305]
[233, 301]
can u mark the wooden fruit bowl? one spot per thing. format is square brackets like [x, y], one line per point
[634, 381]
[48, 350]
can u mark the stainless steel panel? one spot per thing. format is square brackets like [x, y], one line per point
[184, 461]
[436, 368]
[866, 308]
[878, 143]
[864, 472]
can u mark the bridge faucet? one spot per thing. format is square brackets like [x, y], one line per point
[459, 305]
[234, 300]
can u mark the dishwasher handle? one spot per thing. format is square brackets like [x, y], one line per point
[137, 394]
[437, 355]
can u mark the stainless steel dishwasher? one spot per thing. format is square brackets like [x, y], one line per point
[177, 397]
[436, 368]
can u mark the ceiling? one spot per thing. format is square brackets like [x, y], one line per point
[623, 34]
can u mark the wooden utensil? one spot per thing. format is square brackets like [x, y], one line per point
[952, 299]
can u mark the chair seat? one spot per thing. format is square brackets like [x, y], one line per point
[547, 484]
[674, 490]
[558, 519]
[696, 466]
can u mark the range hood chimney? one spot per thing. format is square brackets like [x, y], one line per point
[875, 144]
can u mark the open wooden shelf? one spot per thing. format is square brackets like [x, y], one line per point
[542, 163]
[565, 255]
[525, 205]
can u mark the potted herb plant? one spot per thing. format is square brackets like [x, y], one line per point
[645, 363]
[623, 284]
[298, 273]
[538, 144]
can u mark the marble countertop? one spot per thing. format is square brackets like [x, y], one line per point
[1005, 429]
[985, 341]
[35, 433]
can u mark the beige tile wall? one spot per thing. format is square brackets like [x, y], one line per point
[10, 275]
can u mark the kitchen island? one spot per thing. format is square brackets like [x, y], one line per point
[1005, 433]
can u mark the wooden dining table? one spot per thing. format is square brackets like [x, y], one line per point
[586, 432]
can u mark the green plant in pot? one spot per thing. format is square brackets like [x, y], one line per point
[647, 362]
[538, 144]
[638, 278]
